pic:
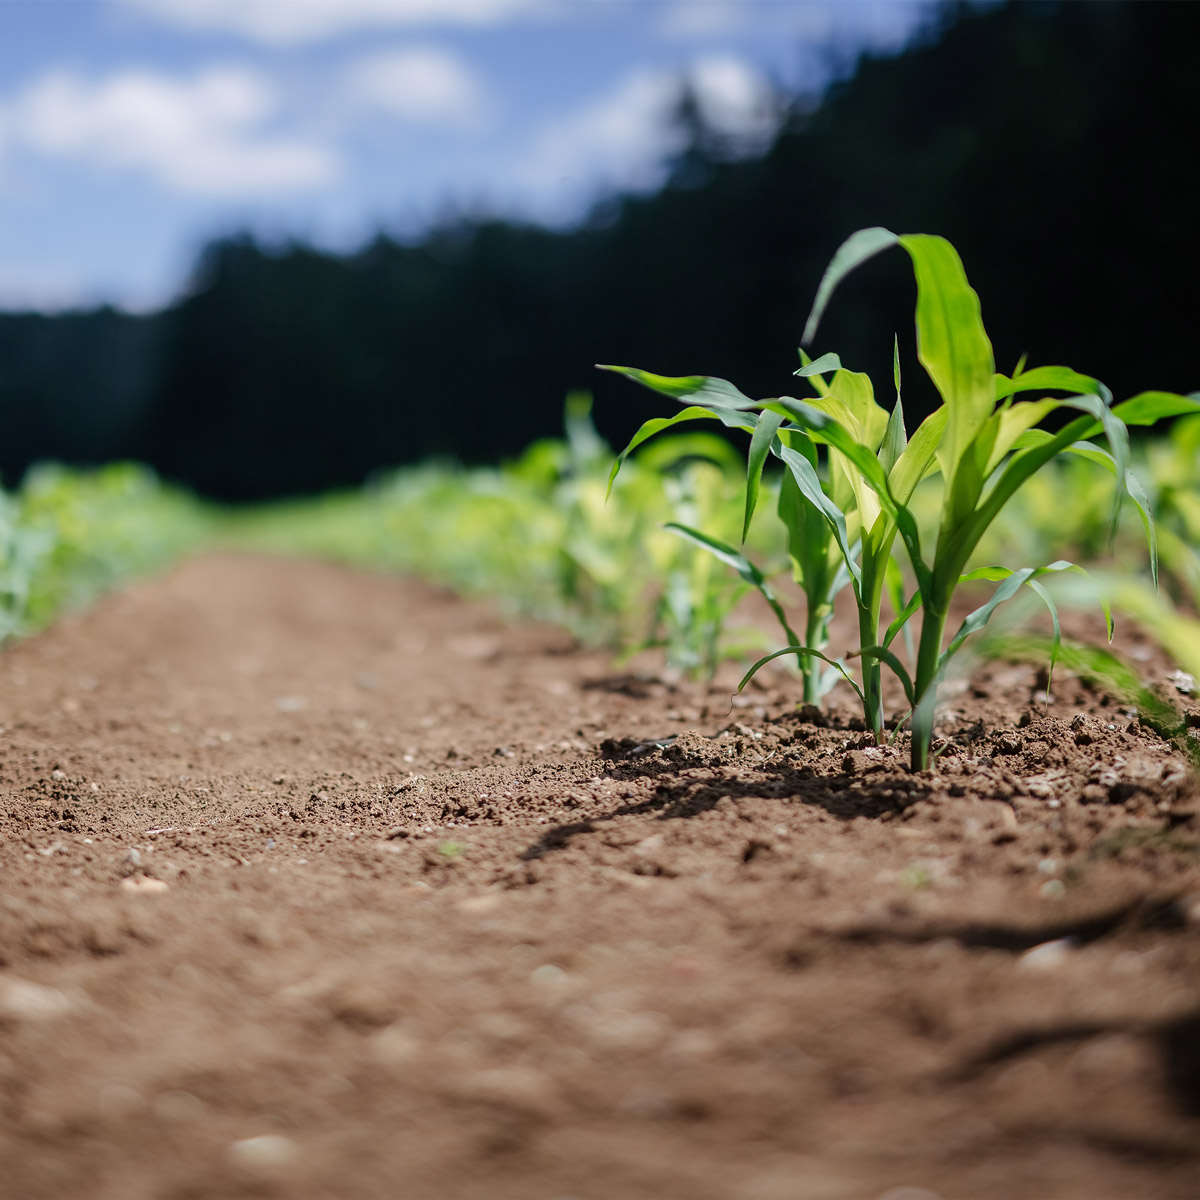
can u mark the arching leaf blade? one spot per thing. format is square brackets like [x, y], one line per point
[853, 252]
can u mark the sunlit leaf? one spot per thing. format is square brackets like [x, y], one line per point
[951, 343]
[702, 389]
[800, 651]
[760, 446]
[853, 252]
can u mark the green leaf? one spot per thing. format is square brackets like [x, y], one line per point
[820, 366]
[903, 616]
[1133, 486]
[1056, 637]
[1088, 450]
[884, 655]
[1047, 599]
[1148, 407]
[816, 380]
[734, 418]
[893, 583]
[823, 427]
[1011, 582]
[855, 391]
[1010, 424]
[810, 540]
[695, 444]
[703, 389]
[918, 457]
[895, 438]
[951, 344]
[974, 621]
[1136, 493]
[760, 446]
[809, 484]
[826, 428]
[1061, 379]
[962, 541]
[853, 252]
[807, 651]
[740, 563]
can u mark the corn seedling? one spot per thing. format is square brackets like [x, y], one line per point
[699, 474]
[981, 442]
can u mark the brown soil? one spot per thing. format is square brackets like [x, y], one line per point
[317, 884]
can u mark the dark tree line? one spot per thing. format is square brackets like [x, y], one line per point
[1057, 145]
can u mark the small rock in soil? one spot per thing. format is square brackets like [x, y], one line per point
[270, 1152]
[21, 1000]
[1182, 682]
[1049, 956]
[143, 885]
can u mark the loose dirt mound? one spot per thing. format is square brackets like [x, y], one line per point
[315, 884]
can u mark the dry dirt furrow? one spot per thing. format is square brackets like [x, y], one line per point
[320, 884]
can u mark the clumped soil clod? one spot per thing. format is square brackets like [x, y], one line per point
[319, 884]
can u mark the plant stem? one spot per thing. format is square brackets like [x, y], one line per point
[929, 652]
[873, 566]
[816, 634]
[872, 673]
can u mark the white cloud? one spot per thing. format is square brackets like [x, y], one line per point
[202, 136]
[420, 85]
[622, 139]
[622, 134]
[734, 97]
[289, 22]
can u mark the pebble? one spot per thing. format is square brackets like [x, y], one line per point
[1183, 683]
[483, 903]
[143, 885]
[21, 1000]
[291, 704]
[1190, 907]
[649, 845]
[268, 1152]
[521, 1088]
[633, 1032]
[395, 1046]
[548, 975]
[1049, 955]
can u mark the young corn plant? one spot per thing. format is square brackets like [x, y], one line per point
[834, 538]
[808, 538]
[981, 441]
[699, 474]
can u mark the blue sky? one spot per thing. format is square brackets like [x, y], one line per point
[132, 131]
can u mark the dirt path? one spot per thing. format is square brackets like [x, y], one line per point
[316, 884]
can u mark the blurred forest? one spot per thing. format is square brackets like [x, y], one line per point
[1057, 146]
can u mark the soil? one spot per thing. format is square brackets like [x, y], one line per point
[320, 884]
